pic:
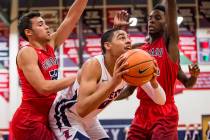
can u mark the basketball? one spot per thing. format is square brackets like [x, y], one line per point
[140, 65]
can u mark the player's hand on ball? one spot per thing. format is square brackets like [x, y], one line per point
[119, 69]
[156, 73]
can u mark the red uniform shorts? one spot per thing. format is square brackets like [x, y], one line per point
[25, 126]
[155, 123]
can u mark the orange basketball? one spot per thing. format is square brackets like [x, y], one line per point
[140, 65]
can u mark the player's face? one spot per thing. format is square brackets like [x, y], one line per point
[156, 22]
[120, 43]
[40, 30]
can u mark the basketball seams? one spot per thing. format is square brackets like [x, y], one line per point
[139, 64]
[130, 55]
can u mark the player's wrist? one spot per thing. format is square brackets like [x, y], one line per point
[194, 75]
[154, 83]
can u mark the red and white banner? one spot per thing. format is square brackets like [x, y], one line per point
[187, 46]
[66, 73]
[203, 83]
[4, 85]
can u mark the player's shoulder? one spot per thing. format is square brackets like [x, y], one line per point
[92, 63]
[26, 50]
[91, 68]
[26, 53]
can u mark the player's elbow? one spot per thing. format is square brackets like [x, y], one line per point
[44, 90]
[81, 110]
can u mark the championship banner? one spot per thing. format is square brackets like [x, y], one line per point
[92, 21]
[4, 55]
[69, 72]
[188, 25]
[4, 84]
[204, 13]
[188, 50]
[71, 46]
[70, 53]
[203, 83]
[92, 47]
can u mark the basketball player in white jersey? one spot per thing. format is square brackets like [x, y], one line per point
[74, 113]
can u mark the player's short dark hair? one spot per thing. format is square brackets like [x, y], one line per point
[25, 23]
[107, 37]
[159, 7]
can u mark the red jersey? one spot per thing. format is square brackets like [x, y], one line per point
[168, 71]
[30, 121]
[149, 113]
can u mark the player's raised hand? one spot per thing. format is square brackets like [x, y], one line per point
[194, 70]
[121, 19]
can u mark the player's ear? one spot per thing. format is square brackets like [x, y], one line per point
[107, 45]
[28, 32]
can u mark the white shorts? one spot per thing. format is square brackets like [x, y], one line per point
[67, 125]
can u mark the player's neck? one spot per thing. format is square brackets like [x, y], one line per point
[153, 37]
[39, 45]
[109, 63]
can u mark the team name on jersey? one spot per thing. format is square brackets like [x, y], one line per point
[49, 62]
[111, 97]
[157, 52]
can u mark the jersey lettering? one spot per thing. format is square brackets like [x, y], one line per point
[49, 62]
[54, 74]
[111, 97]
[158, 52]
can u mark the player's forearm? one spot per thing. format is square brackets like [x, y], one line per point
[93, 101]
[156, 94]
[171, 16]
[190, 82]
[69, 22]
[76, 9]
[126, 92]
[53, 86]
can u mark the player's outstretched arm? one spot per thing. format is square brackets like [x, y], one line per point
[68, 24]
[27, 61]
[189, 82]
[172, 35]
[121, 20]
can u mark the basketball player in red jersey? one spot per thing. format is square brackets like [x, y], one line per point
[38, 72]
[152, 121]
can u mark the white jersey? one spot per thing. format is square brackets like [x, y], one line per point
[65, 121]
